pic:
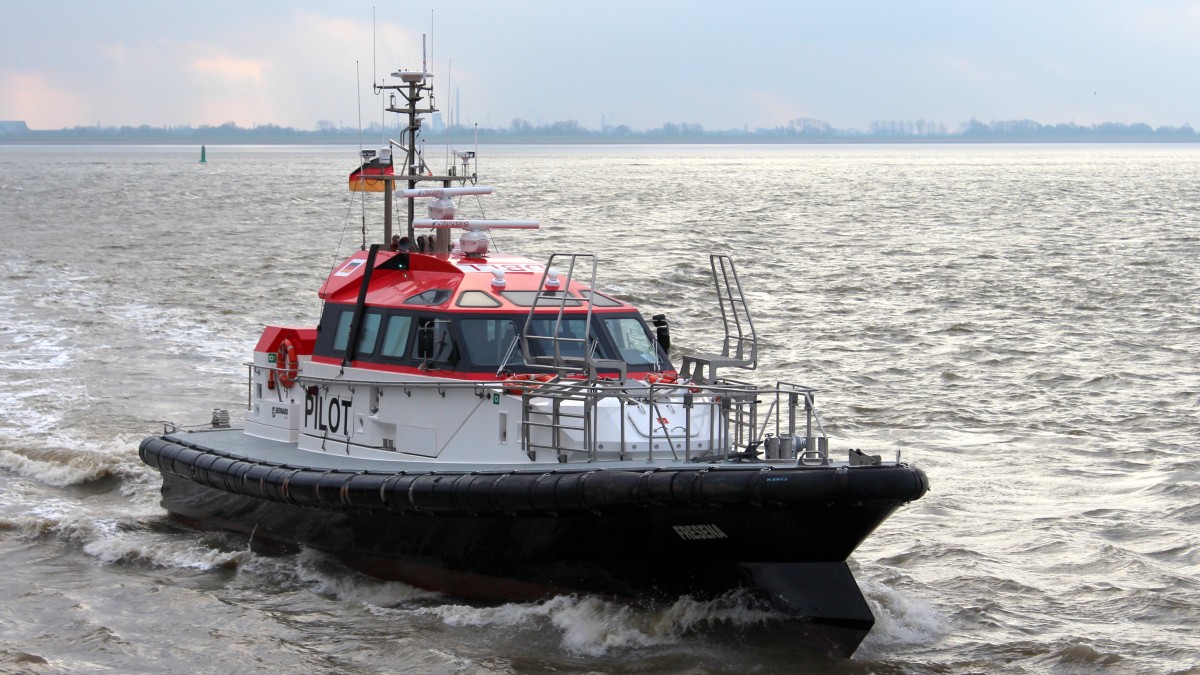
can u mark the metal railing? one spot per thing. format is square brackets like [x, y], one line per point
[724, 420]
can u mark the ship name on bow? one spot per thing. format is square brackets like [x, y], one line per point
[699, 532]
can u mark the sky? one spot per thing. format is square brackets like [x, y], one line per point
[723, 65]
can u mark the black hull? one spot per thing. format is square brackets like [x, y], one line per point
[523, 535]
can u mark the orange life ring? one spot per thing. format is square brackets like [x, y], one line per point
[287, 364]
[535, 380]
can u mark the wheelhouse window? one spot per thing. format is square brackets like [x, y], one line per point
[431, 297]
[477, 299]
[395, 336]
[631, 339]
[570, 337]
[367, 332]
[599, 299]
[341, 336]
[544, 299]
[487, 341]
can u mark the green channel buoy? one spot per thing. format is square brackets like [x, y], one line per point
[202, 159]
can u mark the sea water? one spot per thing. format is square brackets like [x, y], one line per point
[1022, 322]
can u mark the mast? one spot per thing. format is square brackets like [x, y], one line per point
[415, 87]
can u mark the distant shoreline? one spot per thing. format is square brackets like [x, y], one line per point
[796, 132]
[750, 140]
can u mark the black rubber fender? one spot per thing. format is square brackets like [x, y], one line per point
[536, 490]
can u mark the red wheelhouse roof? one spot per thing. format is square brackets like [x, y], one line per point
[454, 273]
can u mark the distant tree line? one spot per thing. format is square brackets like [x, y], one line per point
[798, 130]
[1029, 130]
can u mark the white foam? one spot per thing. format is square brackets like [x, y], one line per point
[900, 619]
[118, 539]
[142, 488]
[593, 626]
[170, 551]
[66, 519]
[38, 348]
[314, 569]
[60, 460]
[322, 574]
[57, 361]
[57, 473]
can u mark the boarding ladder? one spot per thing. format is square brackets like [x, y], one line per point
[560, 348]
[739, 348]
[564, 351]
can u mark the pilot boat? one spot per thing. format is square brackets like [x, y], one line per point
[501, 429]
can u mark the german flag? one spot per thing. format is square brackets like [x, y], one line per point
[373, 165]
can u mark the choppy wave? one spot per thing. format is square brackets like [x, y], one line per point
[592, 626]
[159, 550]
[321, 574]
[64, 519]
[59, 466]
[901, 618]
